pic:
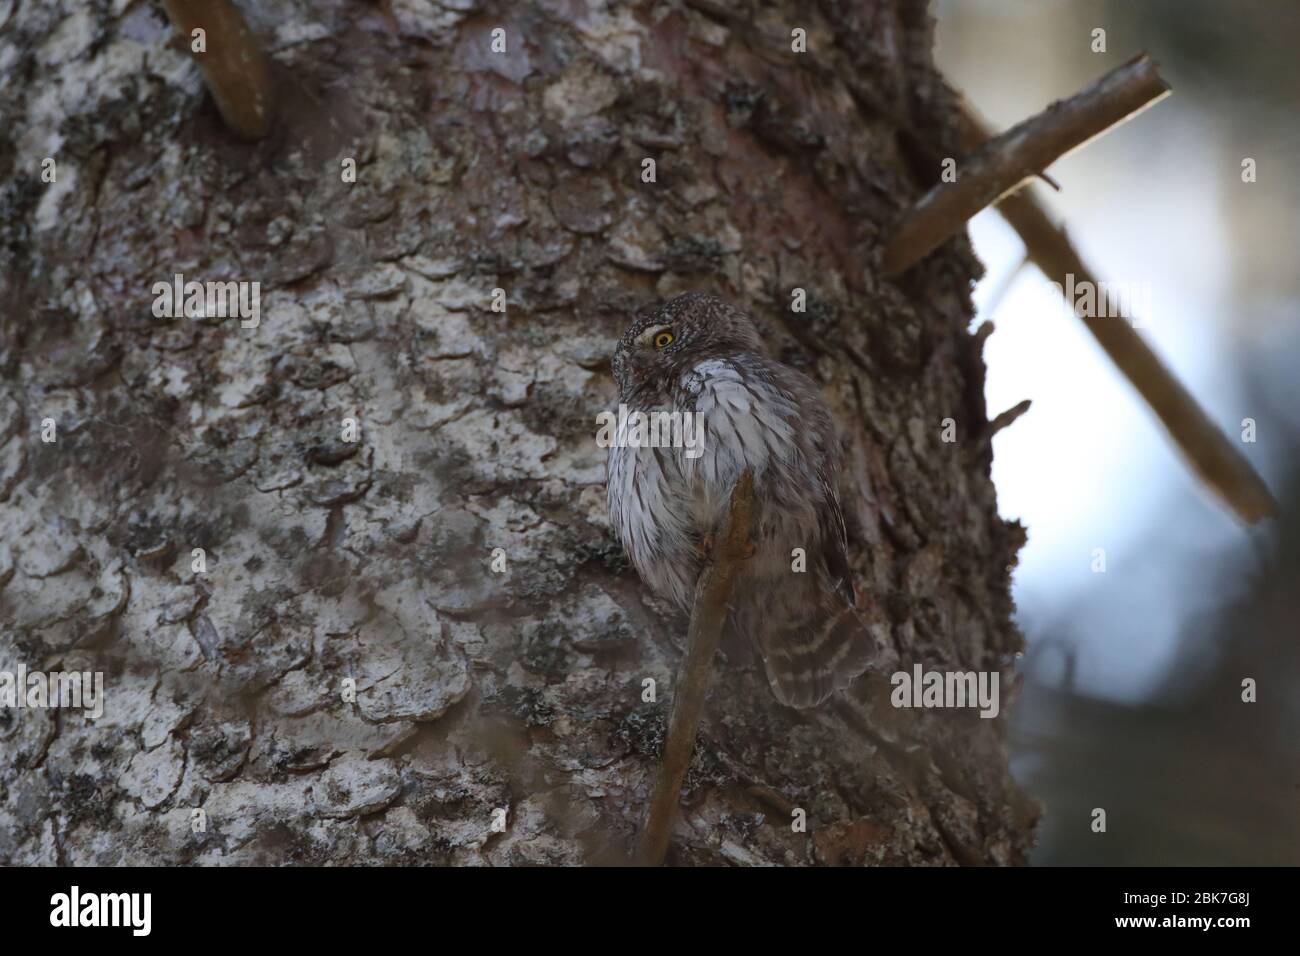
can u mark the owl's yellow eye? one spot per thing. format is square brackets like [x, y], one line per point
[663, 339]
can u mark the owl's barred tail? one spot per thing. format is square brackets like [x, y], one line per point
[809, 662]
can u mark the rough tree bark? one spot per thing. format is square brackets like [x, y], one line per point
[327, 560]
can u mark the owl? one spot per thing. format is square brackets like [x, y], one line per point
[699, 354]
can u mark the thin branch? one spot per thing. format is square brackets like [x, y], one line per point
[1004, 163]
[1215, 460]
[1003, 420]
[986, 436]
[233, 66]
[712, 600]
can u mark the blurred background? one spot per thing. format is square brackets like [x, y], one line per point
[1132, 699]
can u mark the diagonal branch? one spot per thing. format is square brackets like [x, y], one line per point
[233, 66]
[709, 613]
[1006, 162]
[1215, 460]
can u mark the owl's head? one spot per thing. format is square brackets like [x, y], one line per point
[662, 344]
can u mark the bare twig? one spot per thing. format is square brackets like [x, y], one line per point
[1006, 418]
[1211, 454]
[712, 597]
[1004, 163]
[234, 68]
[1002, 420]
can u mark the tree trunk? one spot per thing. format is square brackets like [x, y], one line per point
[377, 563]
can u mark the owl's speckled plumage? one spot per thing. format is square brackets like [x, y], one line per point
[757, 414]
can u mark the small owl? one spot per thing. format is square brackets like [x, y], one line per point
[699, 354]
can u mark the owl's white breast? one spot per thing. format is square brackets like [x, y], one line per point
[649, 508]
[748, 423]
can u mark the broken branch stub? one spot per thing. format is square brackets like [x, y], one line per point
[234, 68]
[1005, 162]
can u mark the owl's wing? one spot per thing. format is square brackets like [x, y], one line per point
[835, 542]
[817, 644]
